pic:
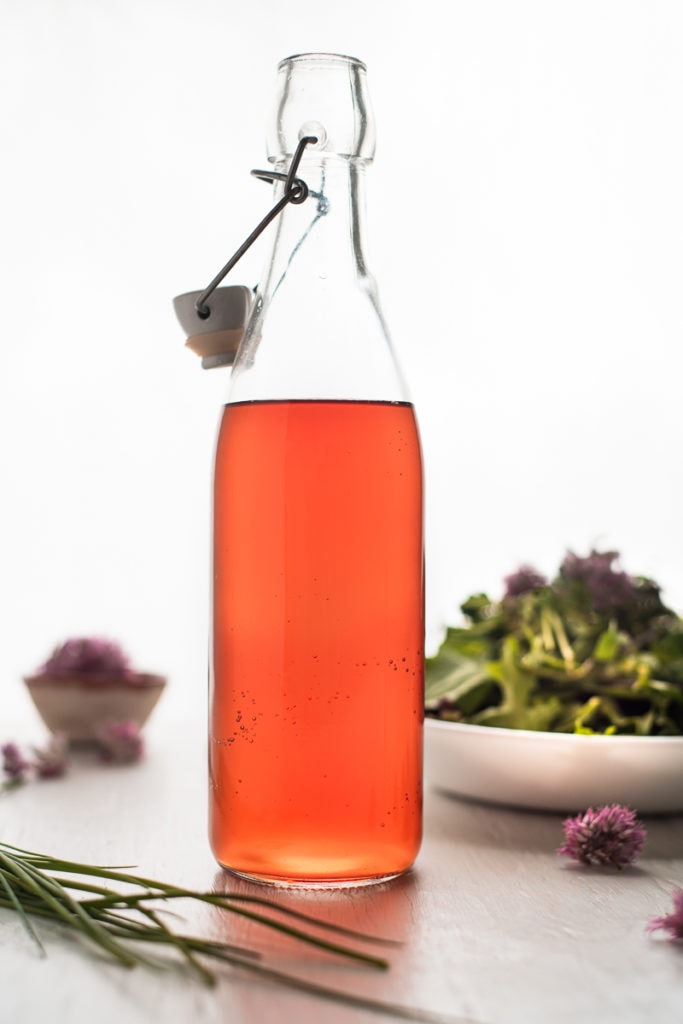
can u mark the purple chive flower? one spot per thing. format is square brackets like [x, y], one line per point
[120, 742]
[52, 760]
[611, 836]
[14, 765]
[608, 588]
[524, 581]
[87, 656]
[671, 923]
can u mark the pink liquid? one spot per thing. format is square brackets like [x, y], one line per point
[317, 688]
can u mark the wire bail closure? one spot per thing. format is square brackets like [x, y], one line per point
[296, 192]
[214, 332]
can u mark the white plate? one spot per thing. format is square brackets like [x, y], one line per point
[554, 771]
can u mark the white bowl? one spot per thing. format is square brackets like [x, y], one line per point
[554, 771]
[76, 706]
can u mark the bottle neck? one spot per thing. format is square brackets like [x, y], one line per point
[316, 329]
[321, 240]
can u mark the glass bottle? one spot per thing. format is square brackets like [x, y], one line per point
[316, 689]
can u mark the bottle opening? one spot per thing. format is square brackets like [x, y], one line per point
[322, 58]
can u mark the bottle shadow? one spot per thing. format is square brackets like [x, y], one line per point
[375, 919]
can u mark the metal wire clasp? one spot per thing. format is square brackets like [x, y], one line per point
[296, 191]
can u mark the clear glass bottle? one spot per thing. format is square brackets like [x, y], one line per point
[316, 695]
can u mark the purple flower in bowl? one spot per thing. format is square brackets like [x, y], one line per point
[87, 656]
[607, 588]
[524, 581]
[88, 680]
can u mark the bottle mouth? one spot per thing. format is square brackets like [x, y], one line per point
[323, 95]
[322, 58]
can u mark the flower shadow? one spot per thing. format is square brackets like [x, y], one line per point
[491, 826]
[497, 826]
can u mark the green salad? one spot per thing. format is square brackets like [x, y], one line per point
[594, 651]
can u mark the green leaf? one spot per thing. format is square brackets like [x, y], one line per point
[466, 642]
[607, 646]
[25, 920]
[516, 685]
[452, 676]
[543, 713]
[479, 608]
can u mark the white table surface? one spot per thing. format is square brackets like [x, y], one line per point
[496, 927]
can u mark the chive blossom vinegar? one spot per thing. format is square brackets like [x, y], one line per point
[316, 694]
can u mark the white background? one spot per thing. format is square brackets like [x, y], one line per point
[526, 230]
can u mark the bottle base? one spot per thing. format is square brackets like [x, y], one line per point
[318, 884]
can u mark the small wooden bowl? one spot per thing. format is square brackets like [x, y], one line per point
[77, 705]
